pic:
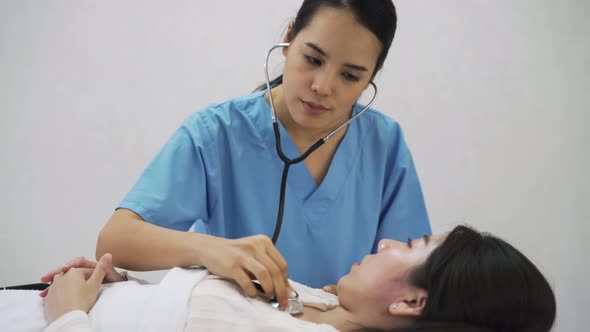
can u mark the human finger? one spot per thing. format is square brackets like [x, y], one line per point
[67, 293]
[279, 260]
[56, 278]
[245, 282]
[81, 261]
[330, 289]
[258, 271]
[99, 273]
[272, 280]
[43, 293]
[111, 275]
[87, 273]
[78, 262]
[48, 277]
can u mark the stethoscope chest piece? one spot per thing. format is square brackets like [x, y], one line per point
[295, 307]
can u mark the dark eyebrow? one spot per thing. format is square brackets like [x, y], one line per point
[317, 49]
[320, 51]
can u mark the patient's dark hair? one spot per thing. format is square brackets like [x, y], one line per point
[378, 16]
[478, 282]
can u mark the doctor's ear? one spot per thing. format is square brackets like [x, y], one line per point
[287, 38]
[412, 306]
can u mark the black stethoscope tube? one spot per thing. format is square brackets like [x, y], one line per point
[287, 163]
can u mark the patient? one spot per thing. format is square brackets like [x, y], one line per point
[465, 281]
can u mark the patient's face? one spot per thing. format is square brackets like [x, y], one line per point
[381, 279]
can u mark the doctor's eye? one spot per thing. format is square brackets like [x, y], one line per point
[409, 243]
[312, 61]
[350, 77]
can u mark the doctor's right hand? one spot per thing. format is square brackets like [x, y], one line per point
[249, 258]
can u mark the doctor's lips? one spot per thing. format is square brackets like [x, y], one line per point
[314, 108]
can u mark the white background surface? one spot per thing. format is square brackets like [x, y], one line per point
[492, 96]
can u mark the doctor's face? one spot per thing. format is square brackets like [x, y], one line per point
[328, 65]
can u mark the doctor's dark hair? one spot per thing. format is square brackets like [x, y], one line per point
[480, 282]
[378, 16]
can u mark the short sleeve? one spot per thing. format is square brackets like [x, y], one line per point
[404, 215]
[172, 190]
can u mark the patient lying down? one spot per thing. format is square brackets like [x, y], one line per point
[464, 281]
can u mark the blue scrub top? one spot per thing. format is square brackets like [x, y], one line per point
[220, 171]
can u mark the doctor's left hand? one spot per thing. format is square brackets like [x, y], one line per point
[75, 290]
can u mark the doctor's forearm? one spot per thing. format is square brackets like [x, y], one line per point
[140, 246]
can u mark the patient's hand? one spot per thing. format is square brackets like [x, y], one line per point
[74, 290]
[80, 262]
[330, 289]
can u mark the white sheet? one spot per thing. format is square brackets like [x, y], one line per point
[123, 306]
[21, 311]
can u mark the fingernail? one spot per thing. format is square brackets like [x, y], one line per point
[284, 304]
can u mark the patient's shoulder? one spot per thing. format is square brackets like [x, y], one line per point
[315, 297]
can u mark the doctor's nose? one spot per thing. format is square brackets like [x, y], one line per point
[323, 84]
[387, 243]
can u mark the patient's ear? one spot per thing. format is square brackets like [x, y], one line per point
[411, 305]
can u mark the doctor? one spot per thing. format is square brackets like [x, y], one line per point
[221, 169]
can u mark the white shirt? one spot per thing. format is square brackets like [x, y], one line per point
[214, 304]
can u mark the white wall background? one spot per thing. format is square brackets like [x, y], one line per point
[493, 97]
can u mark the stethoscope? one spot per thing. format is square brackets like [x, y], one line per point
[294, 307]
[288, 162]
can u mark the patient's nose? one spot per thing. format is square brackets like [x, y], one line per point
[386, 243]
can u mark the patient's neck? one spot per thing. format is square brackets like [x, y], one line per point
[338, 317]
